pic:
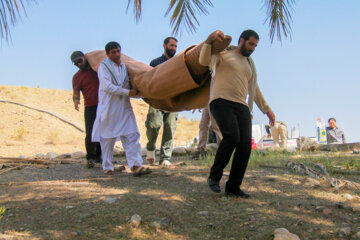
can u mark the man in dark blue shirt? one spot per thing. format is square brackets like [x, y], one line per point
[156, 118]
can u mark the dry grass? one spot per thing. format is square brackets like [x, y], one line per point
[19, 133]
[39, 129]
[52, 137]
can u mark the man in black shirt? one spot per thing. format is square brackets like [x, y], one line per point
[156, 118]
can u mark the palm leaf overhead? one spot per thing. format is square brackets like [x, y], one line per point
[184, 15]
[279, 17]
[137, 8]
[10, 13]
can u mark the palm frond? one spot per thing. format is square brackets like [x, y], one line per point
[184, 14]
[10, 13]
[136, 8]
[279, 17]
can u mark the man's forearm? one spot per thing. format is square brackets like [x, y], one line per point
[76, 97]
[205, 55]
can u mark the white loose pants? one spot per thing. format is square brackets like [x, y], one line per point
[279, 130]
[131, 147]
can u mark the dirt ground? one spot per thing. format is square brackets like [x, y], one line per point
[69, 201]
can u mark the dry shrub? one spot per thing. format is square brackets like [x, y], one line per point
[52, 138]
[19, 133]
[25, 89]
[8, 144]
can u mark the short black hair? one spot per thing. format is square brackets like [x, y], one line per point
[111, 45]
[167, 40]
[247, 34]
[331, 119]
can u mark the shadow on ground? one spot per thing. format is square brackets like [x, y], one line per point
[72, 202]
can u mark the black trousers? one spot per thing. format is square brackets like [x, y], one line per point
[234, 121]
[93, 150]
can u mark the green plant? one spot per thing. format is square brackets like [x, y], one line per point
[2, 211]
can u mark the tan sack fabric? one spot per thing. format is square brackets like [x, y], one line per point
[169, 86]
[178, 84]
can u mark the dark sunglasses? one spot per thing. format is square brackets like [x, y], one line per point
[77, 62]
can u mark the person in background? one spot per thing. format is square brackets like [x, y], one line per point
[86, 81]
[205, 122]
[279, 130]
[156, 118]
[334, 134]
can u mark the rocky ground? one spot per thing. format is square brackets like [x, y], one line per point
[69, 201]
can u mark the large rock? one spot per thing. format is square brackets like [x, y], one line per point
[311, 182]
[321, 168]
[161, 223]
[40, 156]
[306, 144]
[135, 220]
[211, 147]
[190, 150]
[64, 156]
[346, 231]
[179, 151]
[284, 234]
[51, 155]
[78, 154]
[302, 169]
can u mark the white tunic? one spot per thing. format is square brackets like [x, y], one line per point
[114, 116]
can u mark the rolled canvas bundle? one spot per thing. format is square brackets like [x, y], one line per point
[178, 84]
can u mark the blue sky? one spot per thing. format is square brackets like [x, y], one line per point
[313, 74]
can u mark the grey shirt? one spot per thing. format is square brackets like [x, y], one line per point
[335, 135]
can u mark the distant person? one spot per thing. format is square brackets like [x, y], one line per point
[115, 119]
[205, 122]
[334, 134]
[235, 78]
[279, 131]
[155, 118]
[268, 132]
[87, 82]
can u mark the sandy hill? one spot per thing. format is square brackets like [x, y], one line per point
[27, 132]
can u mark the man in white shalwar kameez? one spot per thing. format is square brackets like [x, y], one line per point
[115, 119]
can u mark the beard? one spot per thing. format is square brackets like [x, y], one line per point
[245, 52]
[84, 66]
[169, 52]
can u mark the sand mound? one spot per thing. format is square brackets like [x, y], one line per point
[27, 132]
